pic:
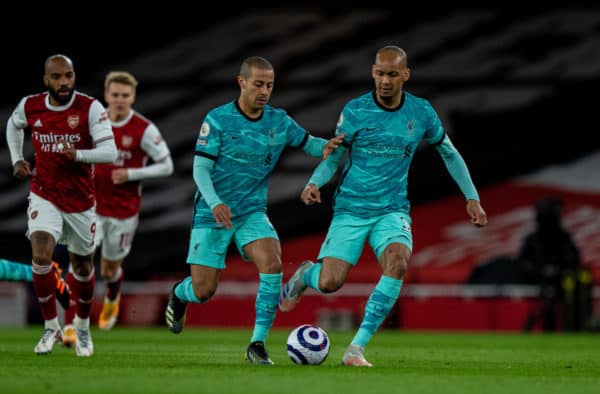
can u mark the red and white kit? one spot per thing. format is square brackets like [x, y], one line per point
[118, 205]
[66, 185]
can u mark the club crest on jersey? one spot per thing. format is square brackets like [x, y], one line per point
[73, 121]
[126, 141]
[204, 130]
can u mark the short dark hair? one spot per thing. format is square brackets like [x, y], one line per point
[254, 61]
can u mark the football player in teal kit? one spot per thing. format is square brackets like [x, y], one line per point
[238, 147]
[382, 131]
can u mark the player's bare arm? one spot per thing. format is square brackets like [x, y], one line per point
[332, 145]
[311, 194]
[119, 176]
[476, 212]
[22, 169]
[222, 215]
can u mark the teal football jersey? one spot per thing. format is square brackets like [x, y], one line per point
[245, 152]
[381, 144]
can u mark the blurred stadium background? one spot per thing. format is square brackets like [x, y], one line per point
[515, 92]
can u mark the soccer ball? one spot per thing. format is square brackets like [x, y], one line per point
[308, 344]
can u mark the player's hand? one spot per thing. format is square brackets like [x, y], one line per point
[332, 145]
[22, 169]
[222, 215]
[65, 148]
[477, 214]
[310, 194]
[119, 176]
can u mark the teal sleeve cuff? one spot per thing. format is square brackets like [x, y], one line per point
[327, 168]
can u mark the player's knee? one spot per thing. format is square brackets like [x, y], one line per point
[330, 284]
[396, 267]
[273, 267]
[204, 292]
[107, 273]
[83, 268]
[41, 259]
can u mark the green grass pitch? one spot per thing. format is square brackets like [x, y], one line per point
[152, 360]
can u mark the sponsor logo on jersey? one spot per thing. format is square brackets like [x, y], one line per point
[38, 123]
[51, 137]
[73, 121]
[49, 142]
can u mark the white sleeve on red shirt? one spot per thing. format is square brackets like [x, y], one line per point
[155, 146]
[105, 150]
[14, 132]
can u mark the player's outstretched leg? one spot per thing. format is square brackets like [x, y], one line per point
[175, 313]
[14, 271]
[257, 354]
[354, 356]
[293, 289]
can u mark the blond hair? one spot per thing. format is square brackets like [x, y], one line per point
[120, 77]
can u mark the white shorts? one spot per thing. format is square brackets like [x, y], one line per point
[76, 230]
[116, 236]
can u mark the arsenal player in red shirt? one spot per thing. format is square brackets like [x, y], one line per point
[70, 131]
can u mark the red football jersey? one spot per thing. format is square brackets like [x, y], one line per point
[124, 200]
[65, 183]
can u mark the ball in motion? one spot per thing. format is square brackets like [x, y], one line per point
[308, 345]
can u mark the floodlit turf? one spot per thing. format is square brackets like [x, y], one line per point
[211, 361]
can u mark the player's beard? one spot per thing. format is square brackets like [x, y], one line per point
[62, 100]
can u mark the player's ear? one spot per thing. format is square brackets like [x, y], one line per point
[406, 74]
[240, 81]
